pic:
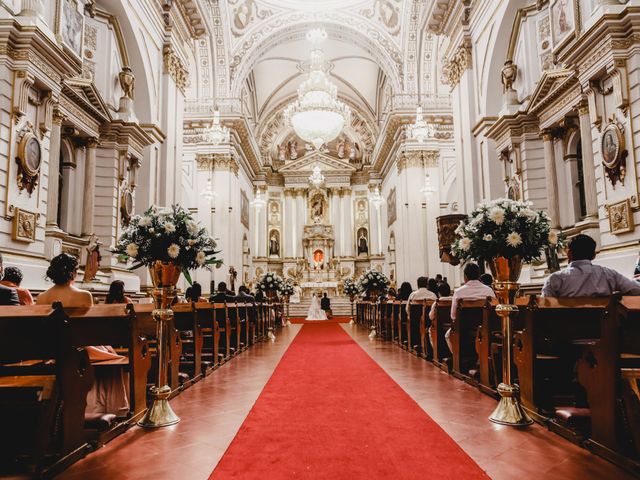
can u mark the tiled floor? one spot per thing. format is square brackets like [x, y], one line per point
[213, 410]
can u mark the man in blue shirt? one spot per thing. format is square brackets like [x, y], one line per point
[583, 279]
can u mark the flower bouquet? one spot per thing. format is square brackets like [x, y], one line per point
[350, 288]
[270, 283]
[373, 282]
[170, 237]
[287, 289]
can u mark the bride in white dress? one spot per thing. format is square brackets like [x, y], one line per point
[315, 312]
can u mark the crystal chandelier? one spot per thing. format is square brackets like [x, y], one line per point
[258, 203]
[376, 198]
[427, 190]
[218, 133]
[316, 178]
[421, 130]
[317, 116]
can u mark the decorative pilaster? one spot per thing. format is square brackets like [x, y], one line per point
[588, 167]
[88, 197]
[551, 178]
[454, 68]
[54, 169]
[31, 8]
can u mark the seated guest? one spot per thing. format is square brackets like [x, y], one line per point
[244, 295]
[473, 289]
[109, 391]
[194, 293]
[116, 293]
[583, 279]
[432, 286]
[486, 279]
[13, 278]
[405, 291]
[222, 295]
[422, 293]
[259, 296]
[444, 293]
[392, 294]
[8, 296]
[62, 272]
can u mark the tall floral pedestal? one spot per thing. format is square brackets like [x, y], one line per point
[286, 322]
[373, 297]
[164, 276]
[506, 272]
[272, 297]
[351, 300]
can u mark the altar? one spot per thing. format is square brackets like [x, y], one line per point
[309, 288]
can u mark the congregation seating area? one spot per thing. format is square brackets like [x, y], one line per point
[576, 361]
[45, 371]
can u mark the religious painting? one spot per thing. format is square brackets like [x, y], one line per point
[392, 213]
[563, 20]
[71, 25]
[274, 212]
[317, 208]
[244, 209]
[620, 217]
[362, 215]
[274, 243]
[24, 226]
[613, 153]
[318, 259]
[363, 242]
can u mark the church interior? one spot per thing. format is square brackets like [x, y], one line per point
[255, 239]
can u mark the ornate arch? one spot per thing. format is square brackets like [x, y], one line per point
[293, 26]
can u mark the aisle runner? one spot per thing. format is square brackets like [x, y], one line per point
[298, 321]
[330, 412]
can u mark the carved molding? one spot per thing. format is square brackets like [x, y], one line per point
[175, 68]
[217, 161]
[418, 159]
[454, 68]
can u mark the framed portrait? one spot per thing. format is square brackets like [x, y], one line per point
[611, 145]
[562, 14]
[244, 209]
[24, 226]
[392, 213]
[620, 217]
[72, 25]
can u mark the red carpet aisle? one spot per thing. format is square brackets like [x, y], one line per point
[329, 411]
[302, 321]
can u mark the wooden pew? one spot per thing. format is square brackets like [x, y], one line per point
[439, 326]
[147, 327]
[417, 325]
[44, 382]
[192, 340]
[207, 324]
[488, 349]
[463, 339]
[607, 366]
[548, 339]
[118, 326]
[395, 321]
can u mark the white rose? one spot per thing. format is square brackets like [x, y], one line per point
[145, 221]
[514, 239]
[173, 250]
[553, 238]
[192, 227]
[169, 227]
[488, 237]
[132, 250]
[365, 281]
[192, 242]
[151, 230]
[464, 244]
[496, 215]
[201, 257]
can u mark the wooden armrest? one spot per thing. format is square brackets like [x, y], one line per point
[44, 381]
[115, 361]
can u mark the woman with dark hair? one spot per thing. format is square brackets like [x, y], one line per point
[116, 293]
[109, 391]
[62, 272]
[194, 293]
[432, 286]
[405, 291]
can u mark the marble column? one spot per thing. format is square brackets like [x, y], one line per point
[588, 167]
[301, 210]
[31, 8]
[54, 170]
[288, 225]
[551, 178]
[347, 224]
[338, 227]
[88, 197]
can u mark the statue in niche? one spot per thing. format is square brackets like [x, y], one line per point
[317, 209]
[293, 150]
[361, 215]
[274, 244]
[127, 82]
[509, 74]
[354, 152]
[274, 215]
[341, 148]
[282, 152]
[363, 242]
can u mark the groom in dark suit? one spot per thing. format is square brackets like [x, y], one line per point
[325, 304]
[8, 296]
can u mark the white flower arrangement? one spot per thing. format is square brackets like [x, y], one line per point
[169, 235]
[287, 289]
[506, 228]
[350, 288]
[270, 282]
[373, 280]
